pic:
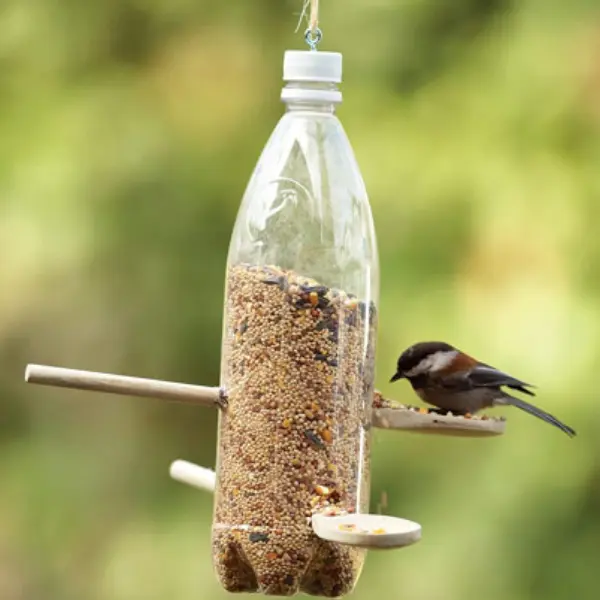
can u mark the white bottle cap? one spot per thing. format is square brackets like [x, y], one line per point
[310, 65]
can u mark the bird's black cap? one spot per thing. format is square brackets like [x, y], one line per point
[412, 356]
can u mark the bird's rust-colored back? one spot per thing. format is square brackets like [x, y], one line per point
[462, 362]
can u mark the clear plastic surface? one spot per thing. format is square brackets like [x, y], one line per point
[297, 362]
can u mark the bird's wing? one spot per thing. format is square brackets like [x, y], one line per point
[483, 375]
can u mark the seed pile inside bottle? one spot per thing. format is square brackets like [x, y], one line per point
[298, 364]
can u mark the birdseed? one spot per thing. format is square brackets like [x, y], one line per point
[298, 367]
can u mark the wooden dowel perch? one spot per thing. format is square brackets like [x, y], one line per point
[386, 414]
[199, 477]
[129, 386]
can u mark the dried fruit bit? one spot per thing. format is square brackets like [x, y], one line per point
[322, 490]
[313, 298]
[347, 527]
[326, 435]
[378, 531]
[423, 411]
[332, 511]
[257, 536]
[287, 423]
[271, 555]
[289, 580]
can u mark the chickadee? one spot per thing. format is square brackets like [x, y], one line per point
[453, 381]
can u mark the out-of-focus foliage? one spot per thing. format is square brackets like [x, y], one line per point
[128, 130]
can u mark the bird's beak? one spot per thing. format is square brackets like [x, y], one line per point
[396, 377]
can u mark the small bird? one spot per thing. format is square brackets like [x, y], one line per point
[455, 382]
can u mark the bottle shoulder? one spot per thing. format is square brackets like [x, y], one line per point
[313, 146]
[306, 203]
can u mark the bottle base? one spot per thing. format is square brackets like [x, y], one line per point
[273, 563]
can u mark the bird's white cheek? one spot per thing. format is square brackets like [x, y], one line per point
[437, 361]
[442, 360]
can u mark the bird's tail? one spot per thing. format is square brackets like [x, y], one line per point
[539, 413]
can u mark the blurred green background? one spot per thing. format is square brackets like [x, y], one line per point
[128, 130]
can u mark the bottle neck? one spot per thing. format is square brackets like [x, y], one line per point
[311, 96]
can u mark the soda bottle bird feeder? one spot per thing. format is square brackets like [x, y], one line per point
[296, 399]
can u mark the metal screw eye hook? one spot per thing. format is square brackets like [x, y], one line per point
[312, 37]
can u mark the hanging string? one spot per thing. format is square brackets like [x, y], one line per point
[312, 35]
[314, 15]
